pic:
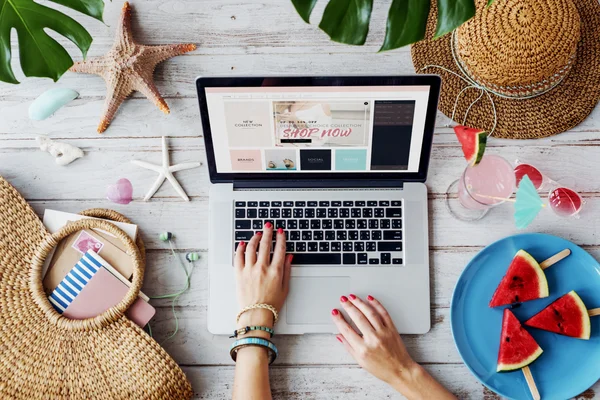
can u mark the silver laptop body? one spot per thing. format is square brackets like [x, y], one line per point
[354, 207]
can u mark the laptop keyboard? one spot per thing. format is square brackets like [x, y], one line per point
[349, 232]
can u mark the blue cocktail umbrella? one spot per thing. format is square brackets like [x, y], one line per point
[528, 203]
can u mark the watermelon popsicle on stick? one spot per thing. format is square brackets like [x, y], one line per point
[517, 350]
[566, 316]
[525, 279]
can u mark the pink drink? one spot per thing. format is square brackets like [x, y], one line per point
[487, 184]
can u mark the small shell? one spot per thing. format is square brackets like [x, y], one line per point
[50, 101]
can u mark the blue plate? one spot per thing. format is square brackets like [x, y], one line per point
[568, 366]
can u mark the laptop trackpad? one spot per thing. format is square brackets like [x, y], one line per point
[311, 298]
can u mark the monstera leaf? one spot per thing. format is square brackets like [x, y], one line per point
[347, 21]
[40, 54]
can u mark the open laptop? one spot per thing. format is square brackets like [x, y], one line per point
[340, 164]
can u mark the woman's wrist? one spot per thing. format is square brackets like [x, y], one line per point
[256, 317]
[254, 354]
[407, 378]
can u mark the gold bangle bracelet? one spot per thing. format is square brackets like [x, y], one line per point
[257, 306]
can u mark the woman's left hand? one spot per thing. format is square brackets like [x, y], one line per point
[260, 279]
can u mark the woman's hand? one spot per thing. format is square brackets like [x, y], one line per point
[380, 350]
[260, 279]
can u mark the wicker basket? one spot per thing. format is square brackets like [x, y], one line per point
[44, 355]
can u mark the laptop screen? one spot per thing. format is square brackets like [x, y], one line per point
[314, 129]
[318, 129]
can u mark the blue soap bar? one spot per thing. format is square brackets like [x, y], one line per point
[50, 101]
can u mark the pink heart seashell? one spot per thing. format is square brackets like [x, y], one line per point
[121, 192]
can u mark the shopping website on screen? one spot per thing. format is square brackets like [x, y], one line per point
[318, 129]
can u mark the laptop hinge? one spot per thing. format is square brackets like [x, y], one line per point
[317, 184]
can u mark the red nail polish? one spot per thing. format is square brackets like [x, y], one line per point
[290, 257]
[242, 243]
[352, 297]
[280, 230]
[268, 225]
[370, 298]
[339, 339]
[343, 299]
[259, 233]
[334, 312]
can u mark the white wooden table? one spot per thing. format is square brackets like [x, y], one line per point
[244, 38]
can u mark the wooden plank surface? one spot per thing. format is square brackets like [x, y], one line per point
[325, 383]
[246, 38]
[575, 165]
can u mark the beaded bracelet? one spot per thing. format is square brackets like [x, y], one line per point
[246, 329]
[259, 305]
[254, 341]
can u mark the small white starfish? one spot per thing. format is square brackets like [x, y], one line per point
[165, 171]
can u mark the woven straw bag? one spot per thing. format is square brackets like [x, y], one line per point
[44, 355]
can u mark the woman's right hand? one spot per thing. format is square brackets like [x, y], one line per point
[380, 350]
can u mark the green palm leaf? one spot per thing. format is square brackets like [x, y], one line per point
[347, 21]
[406, 23]
[452, 14]
[40, 54]
[304, 8]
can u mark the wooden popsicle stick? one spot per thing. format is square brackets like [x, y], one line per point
[531, 383]
[555, 258]
[594, 312]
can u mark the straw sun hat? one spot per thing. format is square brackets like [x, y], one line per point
[523, 69]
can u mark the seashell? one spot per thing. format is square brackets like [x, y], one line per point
[50, 101]
[121, 192]
[63, 152]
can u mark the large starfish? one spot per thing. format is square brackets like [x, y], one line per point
[129, 66]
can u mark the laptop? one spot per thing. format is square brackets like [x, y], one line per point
[340, 164]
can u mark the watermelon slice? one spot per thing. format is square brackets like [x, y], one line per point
[525, 280]
[566, 316]
[473, 142]
[518, 348]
